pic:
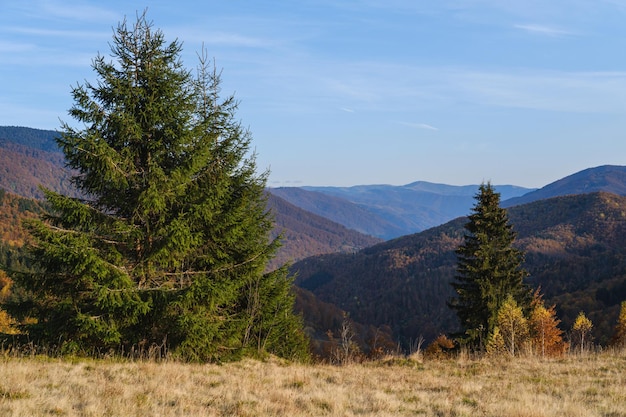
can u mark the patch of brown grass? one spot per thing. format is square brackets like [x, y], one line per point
[586, 386]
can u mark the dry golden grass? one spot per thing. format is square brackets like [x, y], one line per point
[588, 386]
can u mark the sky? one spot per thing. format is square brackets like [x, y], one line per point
[353, 92]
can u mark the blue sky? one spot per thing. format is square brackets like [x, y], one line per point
[354, 92]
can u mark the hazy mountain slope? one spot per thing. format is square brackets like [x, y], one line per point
[339, 210]
[32, 138]
[417, 206]
[306, 234]
[24, 169]
[30, 158]
[506, 191]
[413, 207]
[575, 246]
[609, 178]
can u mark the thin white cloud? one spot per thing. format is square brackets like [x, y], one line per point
[544, 30]
[396, 88]
[419, 126]
[347, 110]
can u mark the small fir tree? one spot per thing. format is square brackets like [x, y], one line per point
[170, 244]
[489, 270]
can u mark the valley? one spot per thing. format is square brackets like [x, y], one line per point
[352, 256]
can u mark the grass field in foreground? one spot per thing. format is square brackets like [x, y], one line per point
[585, 386]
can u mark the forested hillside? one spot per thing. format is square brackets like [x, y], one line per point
[29, 159]
[12, 210]
[575, 251]
[305, 234]
[42, 140]
[12, 238]
[339, 210]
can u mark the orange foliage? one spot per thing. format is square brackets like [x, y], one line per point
[546, 337]
[13, 210]
[7, 323]
[440, 348]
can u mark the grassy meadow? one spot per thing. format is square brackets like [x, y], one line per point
[585, 386]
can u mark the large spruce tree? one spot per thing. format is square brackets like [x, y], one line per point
[169, 245]
[489, 270]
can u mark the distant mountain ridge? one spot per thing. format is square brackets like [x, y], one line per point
[30, 158]
[32, 138]
[389, 211]
[607, 178]
[339, 210]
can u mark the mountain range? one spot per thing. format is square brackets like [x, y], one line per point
[383, 255]
[388, 211]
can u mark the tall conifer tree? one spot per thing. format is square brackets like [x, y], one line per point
[169, 245]
[489, 270]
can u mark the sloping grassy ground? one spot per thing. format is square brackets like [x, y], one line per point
[585, 386]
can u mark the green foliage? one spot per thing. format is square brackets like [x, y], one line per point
[580, 331]
[513, 326]
[489, 270]
[496, 345]
[171, 244]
